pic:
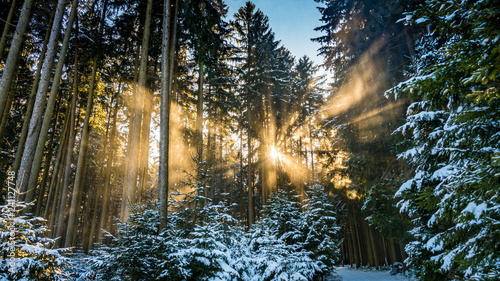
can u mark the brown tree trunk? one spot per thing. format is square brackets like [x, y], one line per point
[135, 147]
[46, 165]
[8, 23]
[82, 156]
[10, 68]
[109, 167]
[49, 111]
[36, 119]
[167, 66]
[31, 100]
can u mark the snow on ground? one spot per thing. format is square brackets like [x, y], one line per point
[362, 274]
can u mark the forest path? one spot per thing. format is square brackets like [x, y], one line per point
[353, 274]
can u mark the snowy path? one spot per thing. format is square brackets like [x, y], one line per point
[352, 274]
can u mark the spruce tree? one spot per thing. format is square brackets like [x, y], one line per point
[452, 196]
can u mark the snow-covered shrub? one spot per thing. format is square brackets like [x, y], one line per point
[26, 252]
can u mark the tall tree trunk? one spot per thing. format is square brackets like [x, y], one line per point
[220, 164]
[199, 114]
[144, 154]
[54, 190]
[135, 146]
[167, 70]
[242, 182]
[15, 47]
[109, 167]
[76, 198]
[311, 147]
[6, 113]
[100, 186]
[36, 119]
[3, 40]
[130, 103]
[31, 101]
[251, 213]
[69, 157]
[87, 206]
[46, 165]
[49, 111]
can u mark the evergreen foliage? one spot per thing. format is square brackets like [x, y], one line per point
[25, 249]
[453, 195]
[286, 244]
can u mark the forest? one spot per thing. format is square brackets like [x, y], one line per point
[171, 140]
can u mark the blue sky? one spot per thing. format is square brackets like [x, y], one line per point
[293, 22]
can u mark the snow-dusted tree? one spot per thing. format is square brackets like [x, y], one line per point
[321, 229]
[278, 242]
[25, 249]
[453, 195]
[135, 253]
[284, 217]
[272, 258]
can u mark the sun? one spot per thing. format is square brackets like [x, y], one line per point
[274, 153]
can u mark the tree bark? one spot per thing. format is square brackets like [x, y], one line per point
[6, 113]
[167, 69]
[84, 143]
[49, 111]
[135, 146]
[15, 47]
[100, 187]
[6, 28]
[36, 119]
[46, 165]
[251, 213]
[31, 101]
[199, 114]
[55, 183]
[109, 167]
[69, 157]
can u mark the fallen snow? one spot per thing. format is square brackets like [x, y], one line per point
[353, 274]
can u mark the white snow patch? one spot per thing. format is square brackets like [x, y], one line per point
[476, 210]
[353, 274]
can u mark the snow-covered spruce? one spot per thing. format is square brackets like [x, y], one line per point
[26, 250]
[288, 243]
[453, 196]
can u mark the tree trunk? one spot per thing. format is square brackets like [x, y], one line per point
[100, 187]
[368, 242]
[242, 182]
[15, 47]
[36, 119]
[46, 165]
[251, 213]
[6, 113]
[82, 156]
[55, 182]
[167, 69]
[134, 153]
[69, 157]
[144, 154]
[31, 101]
[199, 115]
[109, 167]
[6, 28]
[49, 111]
